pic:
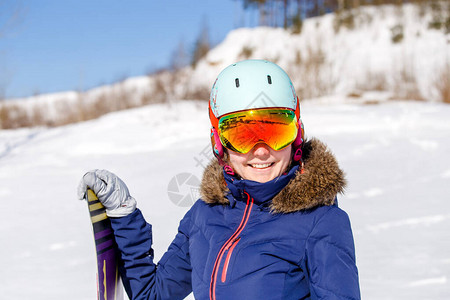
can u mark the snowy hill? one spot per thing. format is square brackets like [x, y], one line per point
[395, 156]
[391, 50]
[323, 60]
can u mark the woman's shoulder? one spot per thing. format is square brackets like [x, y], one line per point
[331, 223]
[326, 213]
[324, 218]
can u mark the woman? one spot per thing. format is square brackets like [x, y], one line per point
[267, 225]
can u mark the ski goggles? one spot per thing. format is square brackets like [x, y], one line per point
[241, 131]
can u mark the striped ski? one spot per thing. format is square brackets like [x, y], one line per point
[109, 284]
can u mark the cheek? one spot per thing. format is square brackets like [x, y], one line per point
[284, 155]
[237, 159]
[238, 163]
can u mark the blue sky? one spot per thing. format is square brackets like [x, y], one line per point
[66, 45]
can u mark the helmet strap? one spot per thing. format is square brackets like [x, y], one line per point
[297, 145]
[297, 154]
[228, 169]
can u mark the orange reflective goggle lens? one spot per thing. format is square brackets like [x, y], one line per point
[241, 131]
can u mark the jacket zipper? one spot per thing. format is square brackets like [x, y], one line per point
[229, 245]
[229, 248]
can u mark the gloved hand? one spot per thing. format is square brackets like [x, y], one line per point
[110, 190]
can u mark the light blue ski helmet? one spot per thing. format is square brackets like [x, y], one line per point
[252, 84]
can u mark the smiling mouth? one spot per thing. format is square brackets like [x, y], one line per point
[261, 166]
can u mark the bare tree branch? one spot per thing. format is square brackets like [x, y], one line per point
[11, 14]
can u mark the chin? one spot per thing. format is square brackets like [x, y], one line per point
[261, 178]
[260, 175]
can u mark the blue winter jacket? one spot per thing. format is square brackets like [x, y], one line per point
[284, 239]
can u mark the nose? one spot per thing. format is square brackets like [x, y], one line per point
[261, 150]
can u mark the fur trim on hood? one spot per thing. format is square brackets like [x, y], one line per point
[318, 184]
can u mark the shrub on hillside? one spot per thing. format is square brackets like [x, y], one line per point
[442, 84]
[405, 83]
[345, 18]
[297, 24]
[312, 73]
[397, 33]
[13, 116]
[246, 52]
[372, 81]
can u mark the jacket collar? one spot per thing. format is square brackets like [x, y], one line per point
[261, 193]
[317, 184]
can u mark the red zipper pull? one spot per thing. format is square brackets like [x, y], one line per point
[235, 240]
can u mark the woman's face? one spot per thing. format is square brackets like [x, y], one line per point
[262, 163]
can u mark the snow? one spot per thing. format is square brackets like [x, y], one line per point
[320, 60]
[395, 155]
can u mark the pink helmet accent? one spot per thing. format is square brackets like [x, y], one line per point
[297, 144]
[217, 145]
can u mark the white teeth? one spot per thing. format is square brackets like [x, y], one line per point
[261, 166]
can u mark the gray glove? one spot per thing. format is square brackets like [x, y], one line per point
[110, 190]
